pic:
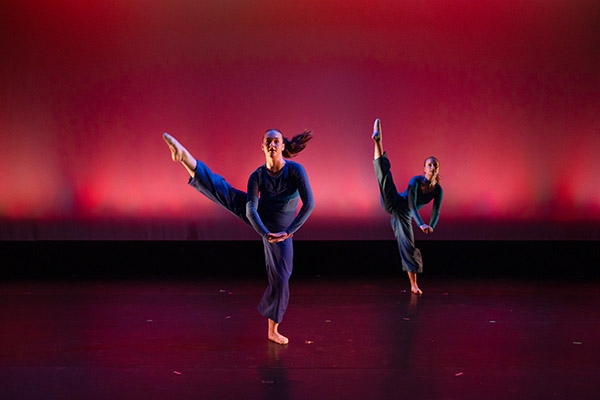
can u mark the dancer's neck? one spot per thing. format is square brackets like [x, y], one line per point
[275, 165]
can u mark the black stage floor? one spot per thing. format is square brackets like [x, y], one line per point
[352, 337]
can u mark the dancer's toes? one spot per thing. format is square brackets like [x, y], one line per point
[376, 130]
[175, 147]
[416, 290]
[278, 338]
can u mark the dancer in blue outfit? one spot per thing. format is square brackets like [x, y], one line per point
[270, 206]
[404, 206]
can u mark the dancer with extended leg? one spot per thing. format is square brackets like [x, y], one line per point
[269, 206]
[404, 207]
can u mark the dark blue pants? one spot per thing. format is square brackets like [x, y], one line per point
[278, 256]
[397, 206]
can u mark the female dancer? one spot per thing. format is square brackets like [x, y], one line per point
[403, 207]
[269, 206]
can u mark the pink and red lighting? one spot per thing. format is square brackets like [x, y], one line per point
[505, 93]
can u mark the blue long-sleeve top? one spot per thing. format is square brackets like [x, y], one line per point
[417, 199]
[273, 199]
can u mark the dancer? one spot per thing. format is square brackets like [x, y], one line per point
[404, 206]
[270, 206]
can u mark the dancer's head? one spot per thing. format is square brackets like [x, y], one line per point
[289, 147]
[273, 144]
[431, 167]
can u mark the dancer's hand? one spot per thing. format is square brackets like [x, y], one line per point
[426, 229]
[278, 237]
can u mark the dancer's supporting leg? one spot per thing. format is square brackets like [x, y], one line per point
[412, 261]
[414, 288]
[274, 335]
[274, 302]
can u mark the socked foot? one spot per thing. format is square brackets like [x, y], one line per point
[177, 150]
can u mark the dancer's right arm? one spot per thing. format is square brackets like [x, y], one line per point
[252, 206]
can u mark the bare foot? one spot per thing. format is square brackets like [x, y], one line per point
[415, 289]
[274, 335]
[376, 130]
[176, 148]
[278, 338]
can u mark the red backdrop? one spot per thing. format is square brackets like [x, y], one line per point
[505, 93]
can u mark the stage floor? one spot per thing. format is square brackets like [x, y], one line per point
[350, 338]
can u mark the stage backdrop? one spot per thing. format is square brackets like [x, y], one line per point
[505, 93]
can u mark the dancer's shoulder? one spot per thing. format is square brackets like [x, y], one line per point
[295, 167]
[415, 180]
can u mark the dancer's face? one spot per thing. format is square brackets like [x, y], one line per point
[431, 168]
[272, 144]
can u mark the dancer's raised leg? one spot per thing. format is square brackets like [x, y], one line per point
[378, 139]
[180, 153]
[274, 334]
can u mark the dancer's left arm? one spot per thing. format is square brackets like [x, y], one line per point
[306, 196]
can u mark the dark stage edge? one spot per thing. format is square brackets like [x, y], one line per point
[179, 259]
[354, 338]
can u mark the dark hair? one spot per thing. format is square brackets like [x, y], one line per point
[294, 145]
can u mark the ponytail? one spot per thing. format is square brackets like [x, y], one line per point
[296, 144]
